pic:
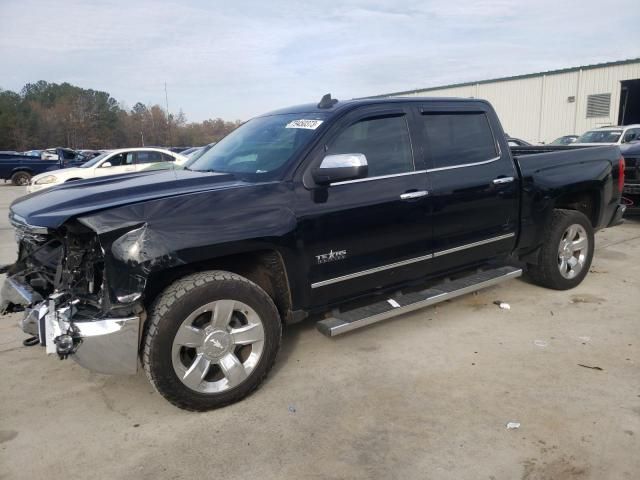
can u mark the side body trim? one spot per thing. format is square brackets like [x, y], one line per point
[409, 261]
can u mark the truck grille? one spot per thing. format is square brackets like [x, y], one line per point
[30, 233]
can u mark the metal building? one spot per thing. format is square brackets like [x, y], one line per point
[540, 107]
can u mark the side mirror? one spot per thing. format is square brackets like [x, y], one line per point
[338, 168]
[106, 164]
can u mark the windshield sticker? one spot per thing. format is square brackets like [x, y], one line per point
[308, 124]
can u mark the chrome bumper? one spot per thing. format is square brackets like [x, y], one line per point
[103, 345]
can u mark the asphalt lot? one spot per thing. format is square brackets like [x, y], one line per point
[427, 395]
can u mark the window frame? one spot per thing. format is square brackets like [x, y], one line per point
[462, 109]
[353, 117]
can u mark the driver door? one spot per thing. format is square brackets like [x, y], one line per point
[117, 164]
[370, 232]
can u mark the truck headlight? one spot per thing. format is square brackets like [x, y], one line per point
[45, 180]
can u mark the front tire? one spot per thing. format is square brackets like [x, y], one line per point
[212, 337]
[565, 256]
[21, 179]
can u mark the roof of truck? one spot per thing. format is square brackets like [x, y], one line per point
[343, 104]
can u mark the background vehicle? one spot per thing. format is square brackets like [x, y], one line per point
[114, 162]
[609, 136]
[517, 142]
[357, 209]
[33, 153]
[21, 168]
[564, 140]
[631, 193]
[198, 152]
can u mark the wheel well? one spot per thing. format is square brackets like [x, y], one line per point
[21, 170]
[265, 268]
[585, 202]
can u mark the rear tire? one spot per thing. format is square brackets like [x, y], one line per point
[211, 339]
[565, 256]
[21, 179]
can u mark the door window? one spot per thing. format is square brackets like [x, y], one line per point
[384, 141]
[149, 157]
[120, 160]
[454, 139]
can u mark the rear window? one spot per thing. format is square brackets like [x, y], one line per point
[454, 139]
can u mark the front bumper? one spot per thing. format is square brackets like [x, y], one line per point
[103, 345]
[36, 188]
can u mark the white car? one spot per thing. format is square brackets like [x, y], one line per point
[113, 162]
[609, 136]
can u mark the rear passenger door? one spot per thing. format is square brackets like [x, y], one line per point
[152, 159]
[474, 184]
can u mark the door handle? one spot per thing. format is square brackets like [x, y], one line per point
[412, 195]
[501, 180]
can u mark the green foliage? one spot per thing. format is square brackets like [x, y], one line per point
[45, 115]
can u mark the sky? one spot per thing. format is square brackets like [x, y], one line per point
[238, 59]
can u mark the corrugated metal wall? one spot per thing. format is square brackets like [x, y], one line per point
[537, 109]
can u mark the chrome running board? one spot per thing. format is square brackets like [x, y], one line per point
[391, 307]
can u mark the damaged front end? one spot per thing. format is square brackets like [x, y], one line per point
[60, 282]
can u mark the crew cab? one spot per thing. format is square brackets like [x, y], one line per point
[112, 162]
[345, 212]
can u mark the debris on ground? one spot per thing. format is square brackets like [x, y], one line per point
[540, 343]
[513, 425]
[292, 409]
[589, 366]
[584, 339]
[502, 305]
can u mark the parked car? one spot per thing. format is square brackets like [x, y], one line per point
[398, 203]
[114, 162]
[609, 136]
[89, 154]
[69, 156]
[564, 140]
[33, 153]
[21, 168]
[631, 192]
[200, 151]
[517, 142]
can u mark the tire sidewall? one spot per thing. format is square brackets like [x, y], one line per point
[18, 175]
[160, 358]
[578, 218]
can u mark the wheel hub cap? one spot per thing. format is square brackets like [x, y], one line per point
[216, 344]
[572, 251]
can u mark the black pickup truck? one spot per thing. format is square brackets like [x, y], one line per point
[358, 210]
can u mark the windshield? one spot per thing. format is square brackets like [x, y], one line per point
[261, 145]
[94, 160]
[600, 136]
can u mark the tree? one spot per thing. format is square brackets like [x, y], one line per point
[47, 115]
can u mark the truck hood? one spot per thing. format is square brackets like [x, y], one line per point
[52, 207]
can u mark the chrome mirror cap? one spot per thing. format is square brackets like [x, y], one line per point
[340, 167]
[344, 160]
